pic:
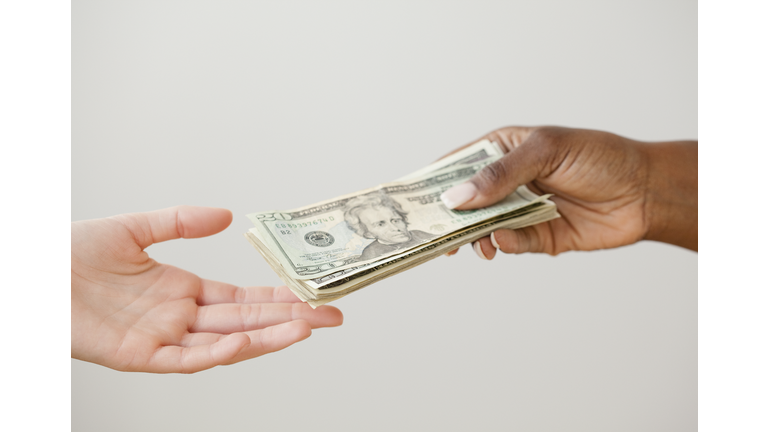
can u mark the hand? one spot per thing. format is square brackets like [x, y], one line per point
[132, 313]
[610, 191]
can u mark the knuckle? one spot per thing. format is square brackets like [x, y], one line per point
[509, 137]
[501, 137]
[523, 241]
[240, 295]
[501, 237]
[547, 133]
[548, 137]
[245, 316]
[494, 173]
[551, 145]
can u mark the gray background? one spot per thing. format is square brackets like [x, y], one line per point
[256, 106]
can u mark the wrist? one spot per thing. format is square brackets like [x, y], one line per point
[671, 203]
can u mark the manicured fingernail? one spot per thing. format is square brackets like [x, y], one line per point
[493, 240]
[458, 195]
[479, 250]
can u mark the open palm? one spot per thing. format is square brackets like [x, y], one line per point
[132, 313]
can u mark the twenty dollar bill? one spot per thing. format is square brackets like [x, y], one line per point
[328, 249]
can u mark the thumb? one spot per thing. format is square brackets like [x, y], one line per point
[493, 183]
[175, 222]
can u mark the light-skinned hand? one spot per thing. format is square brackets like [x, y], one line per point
[132, 313]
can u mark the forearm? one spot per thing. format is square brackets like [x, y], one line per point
[672, 195]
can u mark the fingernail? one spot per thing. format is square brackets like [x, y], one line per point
[458, 195]
[479, 250]
[493, 240]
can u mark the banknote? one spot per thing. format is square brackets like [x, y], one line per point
[477, 152]
[330, 249]
[317, 295]
[482, 150]
[374, 224]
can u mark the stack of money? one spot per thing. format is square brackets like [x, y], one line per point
[327, 250]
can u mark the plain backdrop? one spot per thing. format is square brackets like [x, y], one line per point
[256, 106]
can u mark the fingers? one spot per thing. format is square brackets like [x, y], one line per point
[484, 249]
[537, 238]
[273, 339]
[207, 350]
[176, 359]
[214, 292]
[526, 160]
[528, 239]
[230, 318]
[175, 222]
